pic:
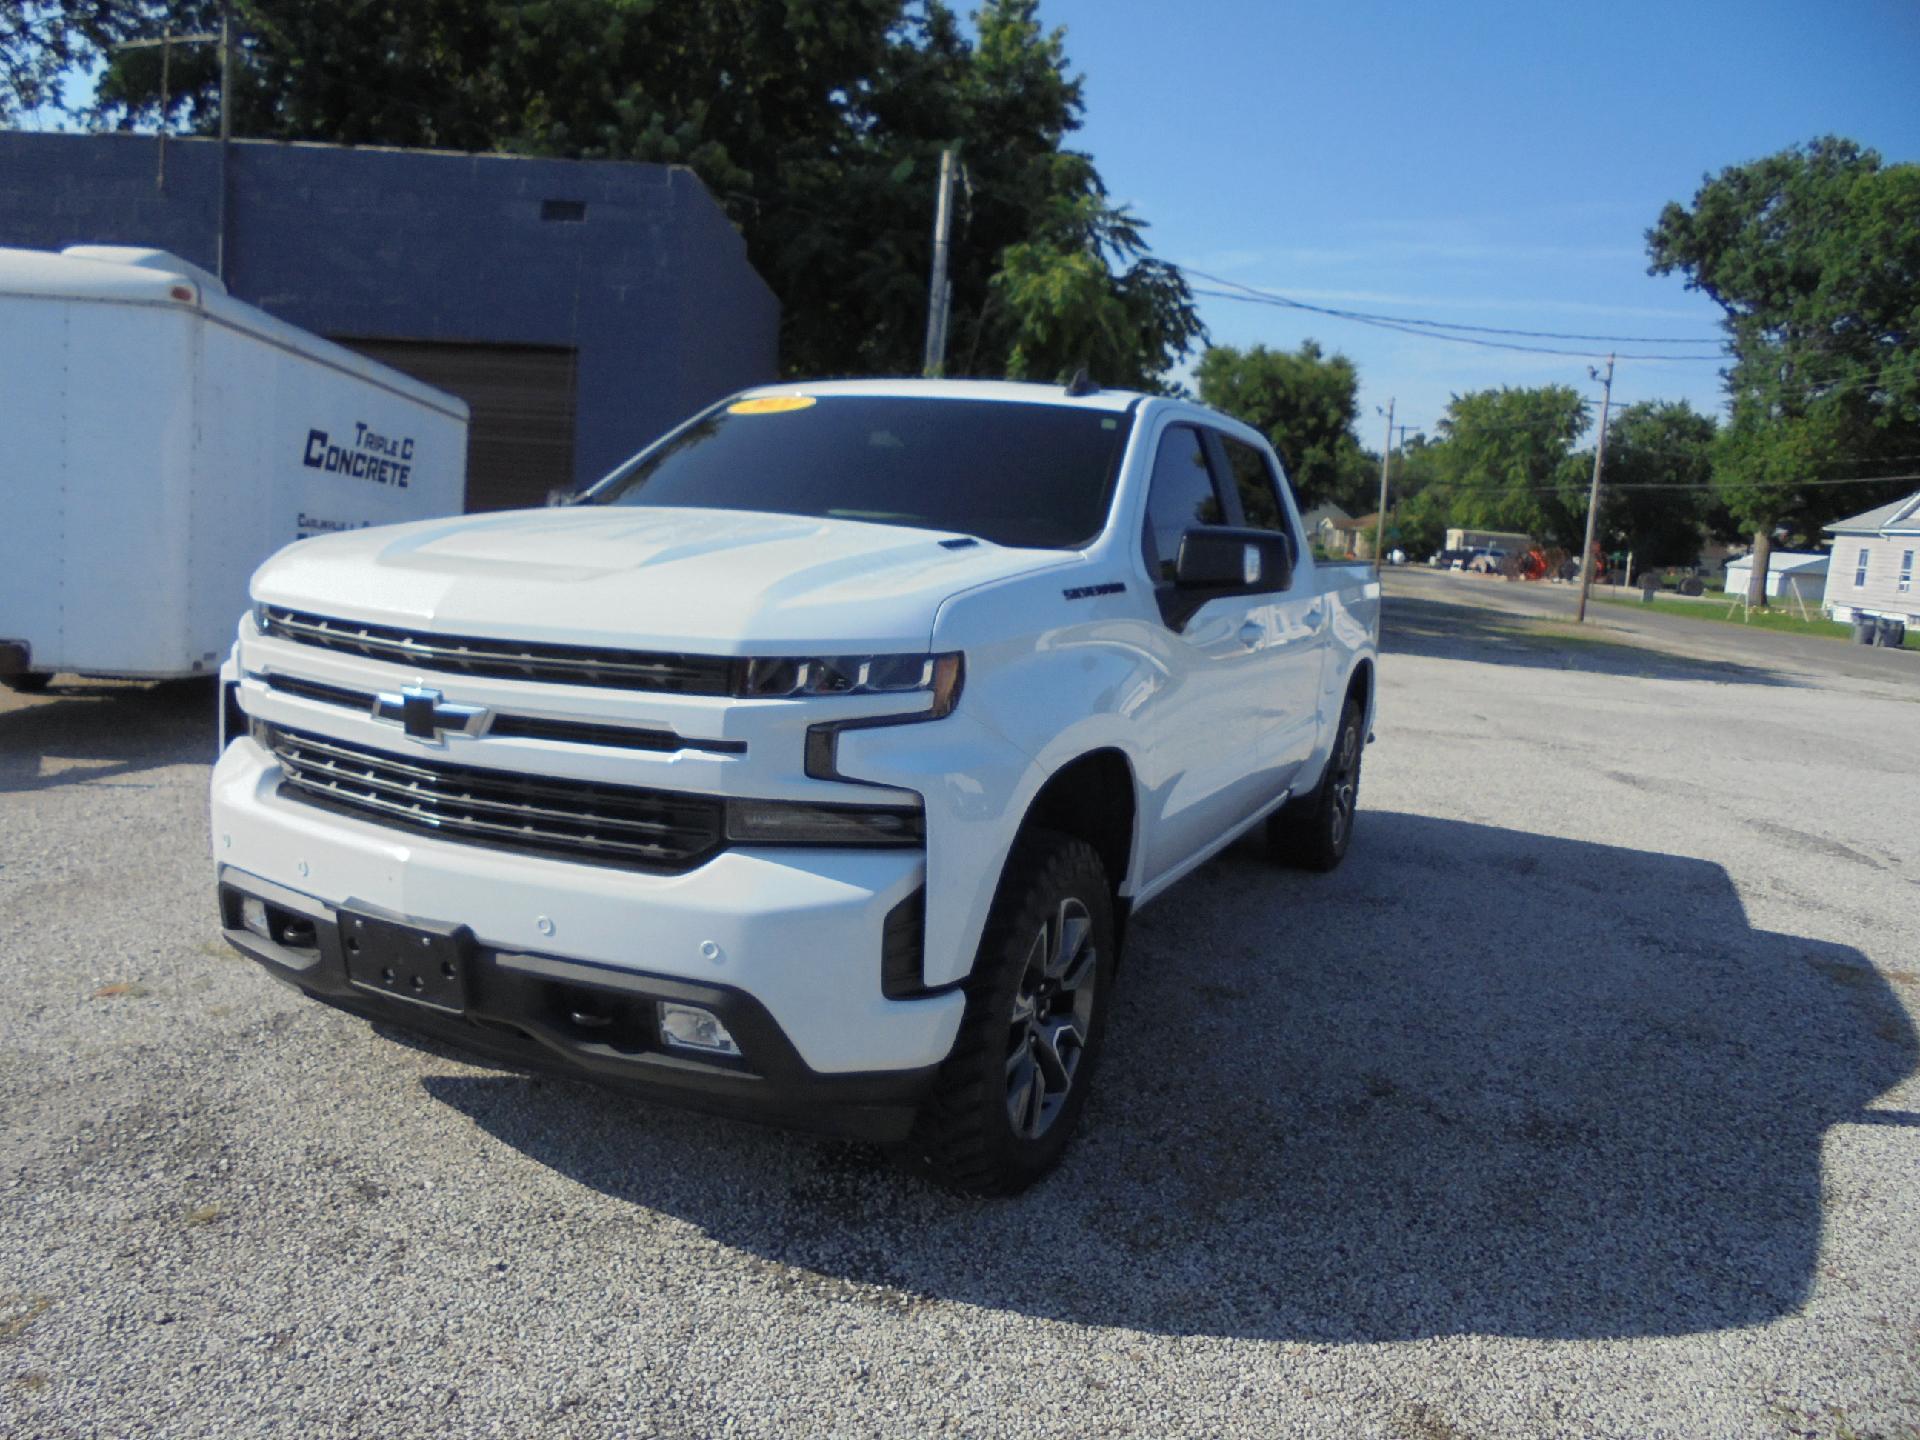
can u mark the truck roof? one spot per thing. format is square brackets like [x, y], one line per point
[1008, 391]
[138, 275]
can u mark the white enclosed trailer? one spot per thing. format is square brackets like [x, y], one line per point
[162, 439]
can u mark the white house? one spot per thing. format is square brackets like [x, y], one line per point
[1320, 521]
[1789, 573]
[1873, 564]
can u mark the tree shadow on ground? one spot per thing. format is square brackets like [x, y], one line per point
[101, 730]
[1438, 630]
[1588, 1104]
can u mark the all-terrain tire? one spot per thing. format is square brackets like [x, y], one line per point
[1314, 831]
[1036, 1011]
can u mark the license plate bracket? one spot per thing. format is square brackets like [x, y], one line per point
[421, 964]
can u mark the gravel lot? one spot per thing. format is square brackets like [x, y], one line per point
[1580, 1101]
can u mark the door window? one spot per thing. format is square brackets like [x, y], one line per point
[1253, 479]
[1180, 495]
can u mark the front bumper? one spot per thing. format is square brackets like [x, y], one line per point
[784, 945]
[546, 1013]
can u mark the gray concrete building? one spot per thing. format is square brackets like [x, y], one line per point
[579, 307]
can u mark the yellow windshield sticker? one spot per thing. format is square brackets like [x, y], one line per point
[770, 405]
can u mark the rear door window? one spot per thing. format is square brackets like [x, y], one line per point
[1255, 484]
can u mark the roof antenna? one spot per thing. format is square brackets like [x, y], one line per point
[1082, 383]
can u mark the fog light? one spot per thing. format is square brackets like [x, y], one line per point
[691, 1028]
[253, 916]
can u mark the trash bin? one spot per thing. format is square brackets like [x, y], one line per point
[1891, 633]
[1865, 629]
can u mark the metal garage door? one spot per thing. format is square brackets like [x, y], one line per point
[520, 444]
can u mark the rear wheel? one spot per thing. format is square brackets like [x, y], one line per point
[1314, 831]
[30, 683]
[1007, 1100]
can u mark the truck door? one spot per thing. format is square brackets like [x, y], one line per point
[1293, 653]
[1201, 732]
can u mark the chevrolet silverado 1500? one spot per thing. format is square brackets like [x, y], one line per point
[807, 767]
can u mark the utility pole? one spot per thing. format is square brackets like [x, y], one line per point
[939, 288]
[226, 131]
[1380, 527]
[166, 82]
[1593, 497]
[165, 43]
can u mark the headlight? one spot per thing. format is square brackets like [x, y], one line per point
[942, 674]
[260, 616]
[785, 822]
[850, 675]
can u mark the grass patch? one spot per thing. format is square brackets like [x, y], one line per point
[1784, 622]
[1562, 632]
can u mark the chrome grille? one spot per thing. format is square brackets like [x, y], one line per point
[567, 819]
[526, 727]
[507, 659]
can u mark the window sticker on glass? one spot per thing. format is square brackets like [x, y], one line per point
[770, 405]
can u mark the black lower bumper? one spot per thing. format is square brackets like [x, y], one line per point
[570, 1017]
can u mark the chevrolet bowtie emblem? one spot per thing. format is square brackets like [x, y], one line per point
[425, 714]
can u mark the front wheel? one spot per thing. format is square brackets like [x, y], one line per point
[32, 682]
[1314, 831]
[1006, 1102]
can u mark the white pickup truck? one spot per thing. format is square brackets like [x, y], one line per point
[809, 766]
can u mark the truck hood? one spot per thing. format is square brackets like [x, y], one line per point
[713, 581]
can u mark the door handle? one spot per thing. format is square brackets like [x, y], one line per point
[1251, 634]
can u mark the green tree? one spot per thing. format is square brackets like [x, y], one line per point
[1813, 255]
[38, 43]
[1304, 402]
[818, 124]
[1656, 486]
[1504, 461]
[1417, 504]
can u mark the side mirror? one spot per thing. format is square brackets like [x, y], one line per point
[1218, 560]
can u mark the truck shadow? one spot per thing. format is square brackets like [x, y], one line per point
[92, 730]
[1352, 1108]
[1443, 631]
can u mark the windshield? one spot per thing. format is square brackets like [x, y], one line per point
[1013, 473]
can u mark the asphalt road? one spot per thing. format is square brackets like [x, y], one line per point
[1802, 659]
[1580, 1101]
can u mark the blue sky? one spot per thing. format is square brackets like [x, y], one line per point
[1496, 164]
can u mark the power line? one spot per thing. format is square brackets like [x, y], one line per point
[1428, 329]
[1458, 324]
[1406, 329]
